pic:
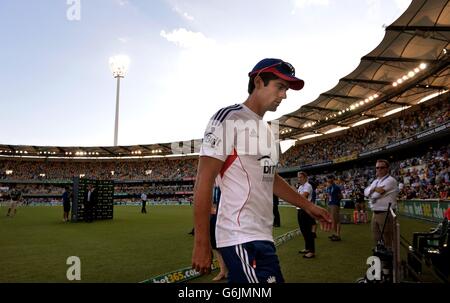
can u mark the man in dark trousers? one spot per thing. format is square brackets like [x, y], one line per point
[276, 213]
[305, 221]
[66, 196]
[90, 202]
[313, 181]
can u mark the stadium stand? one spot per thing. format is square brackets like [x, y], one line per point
[368, 137]
[407, 73]
[423, 176]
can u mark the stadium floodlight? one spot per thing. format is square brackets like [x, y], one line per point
[119, 66]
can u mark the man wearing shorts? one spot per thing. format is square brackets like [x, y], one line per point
[334, 204]
[240, 148]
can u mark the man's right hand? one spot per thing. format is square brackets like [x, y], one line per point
[207, 171]
[201, 258]
[320, 214]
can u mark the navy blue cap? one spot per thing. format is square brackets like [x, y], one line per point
[280, 68]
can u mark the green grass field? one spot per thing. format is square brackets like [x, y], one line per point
[35, 245]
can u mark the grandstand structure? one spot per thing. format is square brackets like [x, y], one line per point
[395, 105]
[409, 66]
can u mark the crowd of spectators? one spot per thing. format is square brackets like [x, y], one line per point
[152, 190]
[422, 177]
[164, 168]
[154, 201]
[368, 136]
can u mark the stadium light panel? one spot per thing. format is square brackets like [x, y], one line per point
[336, 129]
[364, 121]
[433, 95]
[396, 110]
[309, 136]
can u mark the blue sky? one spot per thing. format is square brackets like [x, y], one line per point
[188, 59]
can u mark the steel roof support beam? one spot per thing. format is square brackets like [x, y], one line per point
[400, 28]
[341, 96]
[288, 126]
[300, 118]
[107, 150]
[394, 59]
[368, 81]
[392, 93]
[320, 108]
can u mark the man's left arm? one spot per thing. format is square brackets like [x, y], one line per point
[282, 189]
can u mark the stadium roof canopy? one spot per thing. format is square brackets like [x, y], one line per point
[134, 151]
[411, 63]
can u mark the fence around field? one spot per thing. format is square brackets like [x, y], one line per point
[430, 210]
[188, 273]
[7, 203]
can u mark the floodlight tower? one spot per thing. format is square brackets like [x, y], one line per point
[119, 67]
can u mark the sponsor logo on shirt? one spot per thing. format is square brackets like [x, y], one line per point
[211, 139]
[269, 168]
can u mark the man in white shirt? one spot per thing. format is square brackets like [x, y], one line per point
[305, 221]
[240, 148]
[382, 192]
